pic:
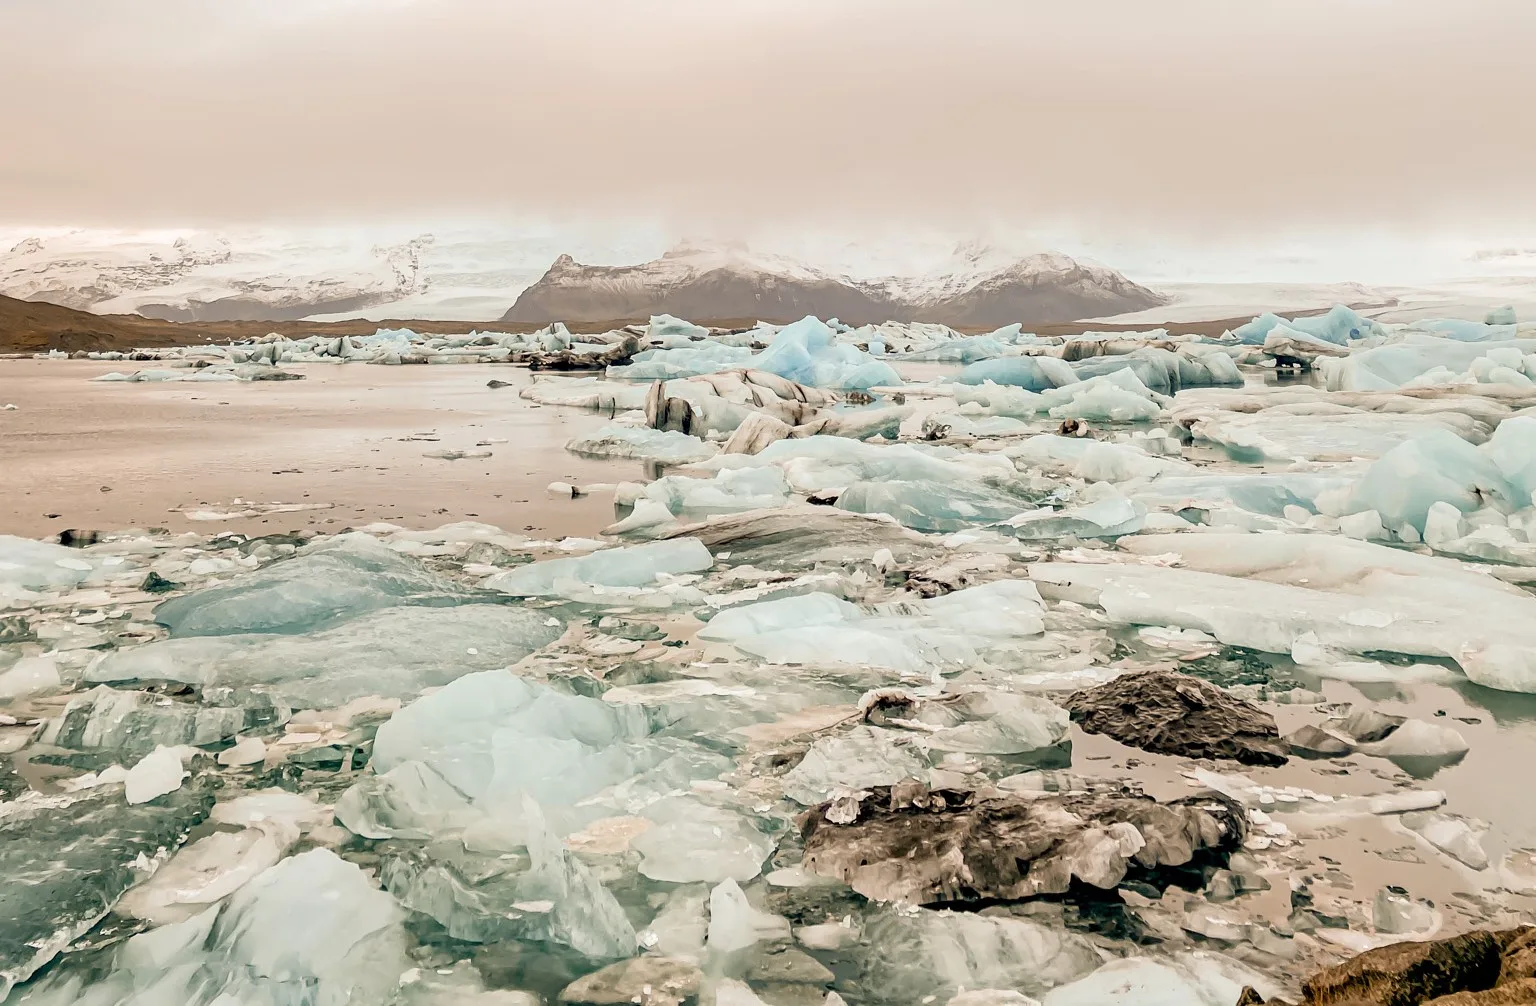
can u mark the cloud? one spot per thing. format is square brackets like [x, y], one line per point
[1202, 116]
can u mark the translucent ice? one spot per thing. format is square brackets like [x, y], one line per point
[692, 842]
[1093, 460]
[323, 584]
[857, 759]
[808, 353]
[1109, 517]
[932, 506]
[156, 774]
[37, 565]
[1196, 978]
[393, 653]
[615, 441]
[939, 953]
[632, 566]
[735, 925]
[728, 492]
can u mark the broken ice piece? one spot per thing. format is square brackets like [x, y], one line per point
[157, 773]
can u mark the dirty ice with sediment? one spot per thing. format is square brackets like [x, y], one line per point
[922, 667]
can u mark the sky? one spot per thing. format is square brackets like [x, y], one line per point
[1190, 125]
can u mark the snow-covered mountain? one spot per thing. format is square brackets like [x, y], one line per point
[474, 273]
[204, 277]
[730, 282]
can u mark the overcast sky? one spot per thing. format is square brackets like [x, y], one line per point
[1193, 118]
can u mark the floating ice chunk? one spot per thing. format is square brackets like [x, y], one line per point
[820, 463]
[1032, 373]
[29, 676]
[1416, 737]
[246, 751]
[1110, 517]
[632, 566]
[156, 774]
[807, 352]
[1007, 725]
[1451, 835]
[205, 872]
[800, 612]
[858, 759]
[647, 518]
[664, 326]
[727, 492]
[409, 801]
[1442, 524]
[1340, 325]
[692, 842]
[1436, 467]
[135, 723]
[1389, 367]
[930, 505]
[1395, 913]
[37, 565]
[939, 953]
[669, 446]
[1342, 595]
[1093, 460]
[493, 734]
[735, 925]
[1196, 978]
[1365, 525]
[1277, 436]
[393, 653]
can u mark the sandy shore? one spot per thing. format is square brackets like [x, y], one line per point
[81, 454]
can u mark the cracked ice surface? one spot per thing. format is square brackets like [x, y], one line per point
[830, 634]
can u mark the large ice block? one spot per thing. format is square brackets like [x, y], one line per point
[394, 653]
[631, 566]
[322, 585]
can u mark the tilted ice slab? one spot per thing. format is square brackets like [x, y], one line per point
[494, 738]
[37, 565]
[930, 953]
[1440, 468]
[1094, 460]
[916, 637]
[616, 441]
[730, 491]
[1339, 326]
[1257, 492]
[1389, 367]
[1305, 593]
[323, 584]
[64, 862]
[313, 929]
[629, 567]
[1273, 435]
[394, 653]
[1116, 397]
[933, 506]
[820, 463]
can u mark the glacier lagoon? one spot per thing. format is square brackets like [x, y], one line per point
[826, 699]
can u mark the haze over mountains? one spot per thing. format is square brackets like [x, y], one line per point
[211, 278]
[694, 282]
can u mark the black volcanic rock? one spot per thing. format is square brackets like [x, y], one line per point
[700, 284]
[1169, 713]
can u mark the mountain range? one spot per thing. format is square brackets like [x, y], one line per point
[732, 282]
